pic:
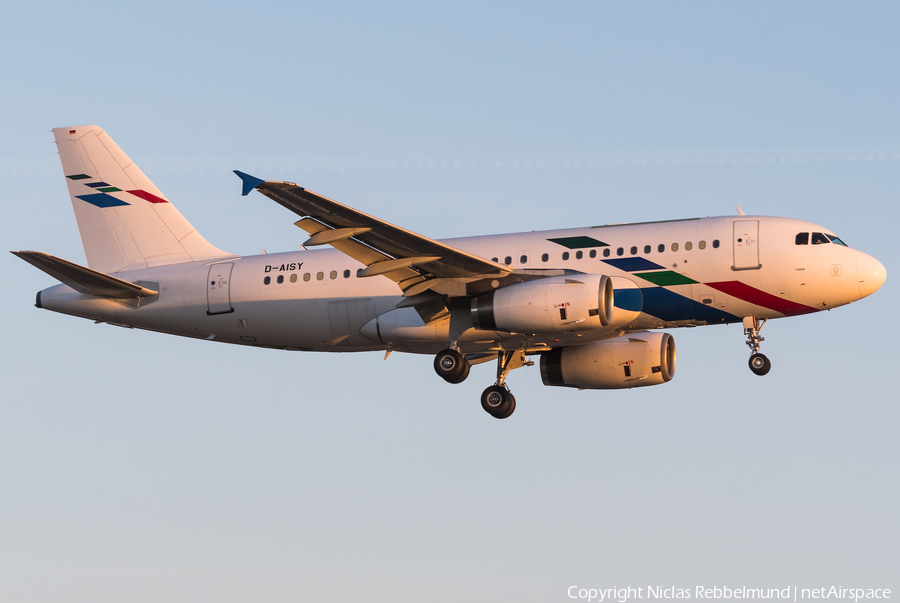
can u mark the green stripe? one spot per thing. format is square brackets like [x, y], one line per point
[578, 242]
[666, 278]
[109, 189]
[77, 176]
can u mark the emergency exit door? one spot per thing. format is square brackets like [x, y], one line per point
[218, 289]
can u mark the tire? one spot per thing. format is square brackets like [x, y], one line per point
[496, 401]
[759, 364]
[511, 409]
[451, 366]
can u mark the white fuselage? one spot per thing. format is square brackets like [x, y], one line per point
[707, 271]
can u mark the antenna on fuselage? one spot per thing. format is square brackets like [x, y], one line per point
[740, 211]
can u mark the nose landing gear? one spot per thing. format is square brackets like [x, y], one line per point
[759, 363]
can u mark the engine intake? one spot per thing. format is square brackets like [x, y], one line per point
[636, 360]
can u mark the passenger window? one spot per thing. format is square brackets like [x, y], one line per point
[633, 250]
[819, 239]
[606, 252]
[267, 280]
[333, 274]
[545, 258]
[507, 260]
[593, 253]
[359, 270]
[495, 260]
[565, 255]
[688, 246]
[715, 243]
[661, 248]
[620, 251]
[674, 246]
[647, 249]
[293, 278]
[280, 278]
[579, 255]
[346, 274]
[702, 244]
[523, 259]
[320, 276]
[306, 277]
[802, 238]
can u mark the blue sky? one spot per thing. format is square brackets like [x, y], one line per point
[144, 467]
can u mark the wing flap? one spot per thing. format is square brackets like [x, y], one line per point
[359, 252]
[82, 279]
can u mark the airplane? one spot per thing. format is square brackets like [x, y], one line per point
[589, 301]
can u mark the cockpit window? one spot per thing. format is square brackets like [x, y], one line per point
[802, 238]
[836, 240]
[819, 239]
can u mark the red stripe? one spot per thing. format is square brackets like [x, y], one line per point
[761, 298]
[148, 196]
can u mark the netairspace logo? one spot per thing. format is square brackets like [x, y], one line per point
[791, 593]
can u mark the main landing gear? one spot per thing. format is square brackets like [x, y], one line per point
[496, 400]
[759, 364]
[451, 366]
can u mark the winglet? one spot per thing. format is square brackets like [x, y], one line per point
[250, 182]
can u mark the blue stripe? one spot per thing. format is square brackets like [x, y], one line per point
[633, 264]
[669, 306]
[102, 200]
[628, 299]
[96, 184]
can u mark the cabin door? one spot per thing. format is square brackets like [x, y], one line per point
[218, 289]
[746, 245]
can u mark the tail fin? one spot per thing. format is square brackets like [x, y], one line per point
[124, 220]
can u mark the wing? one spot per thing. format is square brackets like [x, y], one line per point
[416, 263]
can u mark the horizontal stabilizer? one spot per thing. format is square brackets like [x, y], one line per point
[84, 280]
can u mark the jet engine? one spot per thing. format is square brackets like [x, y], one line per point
[635, 360]
[557, 304]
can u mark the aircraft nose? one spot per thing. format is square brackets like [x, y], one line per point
[871, 274]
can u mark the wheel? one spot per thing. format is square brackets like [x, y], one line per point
[759, 364]
[497, 401]
[511, 409]
[451, 366]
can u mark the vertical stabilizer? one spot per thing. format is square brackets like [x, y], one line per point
[124, 220]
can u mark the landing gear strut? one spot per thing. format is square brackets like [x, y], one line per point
[759, 364]
[497, 400]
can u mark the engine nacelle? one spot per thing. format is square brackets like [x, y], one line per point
[558, 304]
[635, 360]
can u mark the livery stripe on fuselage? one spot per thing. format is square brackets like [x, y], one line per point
[753, 295]
[579, 242]
[633, 264]
[666, 278]
[671, 307]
